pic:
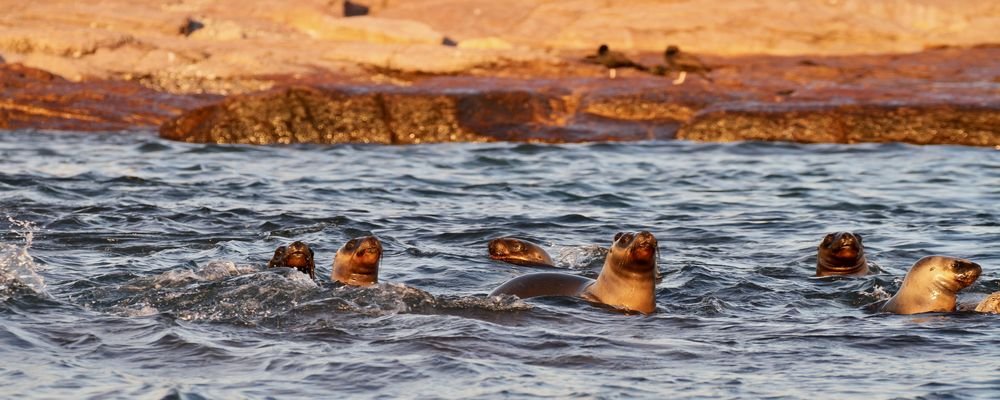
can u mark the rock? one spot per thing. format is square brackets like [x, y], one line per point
[965, 124]
[720, 27]
[36, 99]
[492, 43]
[219, 30]
[66, 42]
[292, 115]
[365, 29]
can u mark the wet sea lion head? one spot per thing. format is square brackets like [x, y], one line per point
[604, 49]
[520, 252]
[841, 253]
[671, 51]
[297, 255]
[357, 261]
[932, 285]
[635, 252]
[628, 278]
[949, 273]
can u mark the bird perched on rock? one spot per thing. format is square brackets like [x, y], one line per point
[682, 63]
[612, 60]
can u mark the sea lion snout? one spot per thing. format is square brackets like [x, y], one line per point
[966, 272]
[298, 255]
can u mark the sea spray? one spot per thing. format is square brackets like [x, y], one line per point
[18, 272]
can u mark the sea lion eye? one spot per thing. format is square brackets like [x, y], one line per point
[618, 235]
[624, 237]
[858, 235]
[828, 239]
[351, 244]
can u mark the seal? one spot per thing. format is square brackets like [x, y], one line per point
[612, 60]
[357, 262]
[932, 285]
[627, 280]
[297, 255]
[520, 252]
[841, 253]
[682, 63]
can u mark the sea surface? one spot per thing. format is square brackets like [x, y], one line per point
[134, 267]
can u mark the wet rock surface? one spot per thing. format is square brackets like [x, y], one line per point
[36, 99]
[941, 96]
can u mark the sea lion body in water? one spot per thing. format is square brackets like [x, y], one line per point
[627, 280]
[841, 253]
[932, 285]
[297, 255]
[520, 252]
[357, 262]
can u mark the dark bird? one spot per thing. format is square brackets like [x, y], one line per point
[682, 63]
[612, 60]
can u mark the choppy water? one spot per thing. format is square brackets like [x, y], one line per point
[133, 267]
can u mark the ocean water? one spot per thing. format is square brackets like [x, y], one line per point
[133, 267]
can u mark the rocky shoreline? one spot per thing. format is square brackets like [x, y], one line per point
[313, 74]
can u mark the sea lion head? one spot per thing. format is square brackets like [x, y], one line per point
[932, 285]
[520, 252]
[841, 253]
[357, 262]
[628, 278]
[635, 252]
[603, 50]
[297, 255]
[671, 51]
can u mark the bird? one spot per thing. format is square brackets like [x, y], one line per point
[612, 60]
[682, 63]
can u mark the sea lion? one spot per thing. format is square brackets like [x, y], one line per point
[841, 253]
[297, 255]
[357, 262]
[627, 280]
[612, 60]
[682, 63]
[520, 252]
[932, 285]
[991, 304]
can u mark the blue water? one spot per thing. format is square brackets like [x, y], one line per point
[133, 267]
